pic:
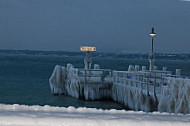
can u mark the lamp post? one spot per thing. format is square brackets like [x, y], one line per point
[151, 56]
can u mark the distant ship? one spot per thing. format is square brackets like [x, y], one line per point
[139, 88]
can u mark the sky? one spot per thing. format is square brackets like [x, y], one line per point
[117, 26]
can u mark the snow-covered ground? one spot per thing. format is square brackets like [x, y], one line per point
[19, 115]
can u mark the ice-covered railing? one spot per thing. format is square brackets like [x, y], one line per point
[95, 75]
[135, 89]
[171, 92]
[175, 96]
[80, 82]
[89, 84]
[149, 82]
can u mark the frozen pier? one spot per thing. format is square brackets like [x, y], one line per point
[152, 90]
[80, 83]
[137, 89]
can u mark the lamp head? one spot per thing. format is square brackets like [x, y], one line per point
[152, 34]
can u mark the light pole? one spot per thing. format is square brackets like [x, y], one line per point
[151, 56]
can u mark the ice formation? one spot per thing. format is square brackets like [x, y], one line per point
[176, 96]
[132, 98]
[57, 80]
[22, 115]
[172, 97]
[73, 84]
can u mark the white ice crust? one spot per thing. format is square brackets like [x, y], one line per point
[22, 115]
[174, 97]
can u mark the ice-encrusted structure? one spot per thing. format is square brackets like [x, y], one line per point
[138, 90]
[175, 97]
[71, 81]
[57, 80]
[132, 98]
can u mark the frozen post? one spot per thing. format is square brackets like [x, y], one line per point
[151, 56]
[87, 59]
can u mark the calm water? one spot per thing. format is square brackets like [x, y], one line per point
[24, 79]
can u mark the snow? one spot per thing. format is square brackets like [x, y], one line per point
[22, 115]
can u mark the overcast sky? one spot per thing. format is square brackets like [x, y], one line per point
[110, 25]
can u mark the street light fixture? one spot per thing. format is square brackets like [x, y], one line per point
[151, 57]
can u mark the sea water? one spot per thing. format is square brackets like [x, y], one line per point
[24, 78]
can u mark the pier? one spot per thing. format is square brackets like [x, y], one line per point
[156, 90]
[138, 88]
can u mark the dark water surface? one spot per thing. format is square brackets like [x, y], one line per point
[24, 79]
